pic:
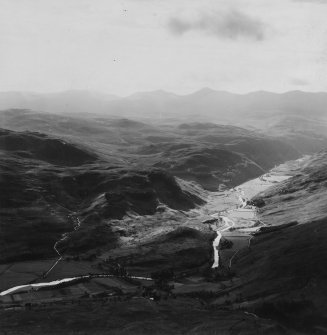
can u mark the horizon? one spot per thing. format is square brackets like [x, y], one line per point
[161, 91]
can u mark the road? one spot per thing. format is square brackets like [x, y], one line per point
[77, 224]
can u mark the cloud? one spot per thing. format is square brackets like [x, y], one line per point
[299, 82]
[231, 25]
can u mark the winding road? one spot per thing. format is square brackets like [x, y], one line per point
[77, 224]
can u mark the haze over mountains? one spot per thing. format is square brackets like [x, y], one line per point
[299, 116]
[161, 104]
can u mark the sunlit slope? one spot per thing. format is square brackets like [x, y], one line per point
[283, 272]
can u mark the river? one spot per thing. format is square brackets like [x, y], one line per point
[229, 208]
[241, 217]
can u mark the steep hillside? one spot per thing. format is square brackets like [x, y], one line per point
[210, 167]
[45, 193]
[44, 148]
[301, 198]
[284, 273]
[217, 155]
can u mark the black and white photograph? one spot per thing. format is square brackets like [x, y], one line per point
[163, 167]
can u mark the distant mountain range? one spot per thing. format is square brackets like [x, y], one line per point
[206, 103]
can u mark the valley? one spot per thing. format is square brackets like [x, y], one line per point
[41, 294]
[145, 220]
[163, 167]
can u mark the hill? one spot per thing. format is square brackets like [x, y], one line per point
[42, 147]
[49, 183]
[208, 153]
[283, 273]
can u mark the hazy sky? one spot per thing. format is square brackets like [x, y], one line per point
[124, 46]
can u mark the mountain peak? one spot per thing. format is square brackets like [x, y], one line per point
[205, 90]
[155, 93]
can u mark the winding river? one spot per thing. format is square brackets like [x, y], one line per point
[246, 213]
[35, 287]
[228, 223]
[225, 221]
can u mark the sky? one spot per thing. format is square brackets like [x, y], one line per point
[127, 46]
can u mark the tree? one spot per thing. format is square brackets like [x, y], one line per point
[162, 279]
